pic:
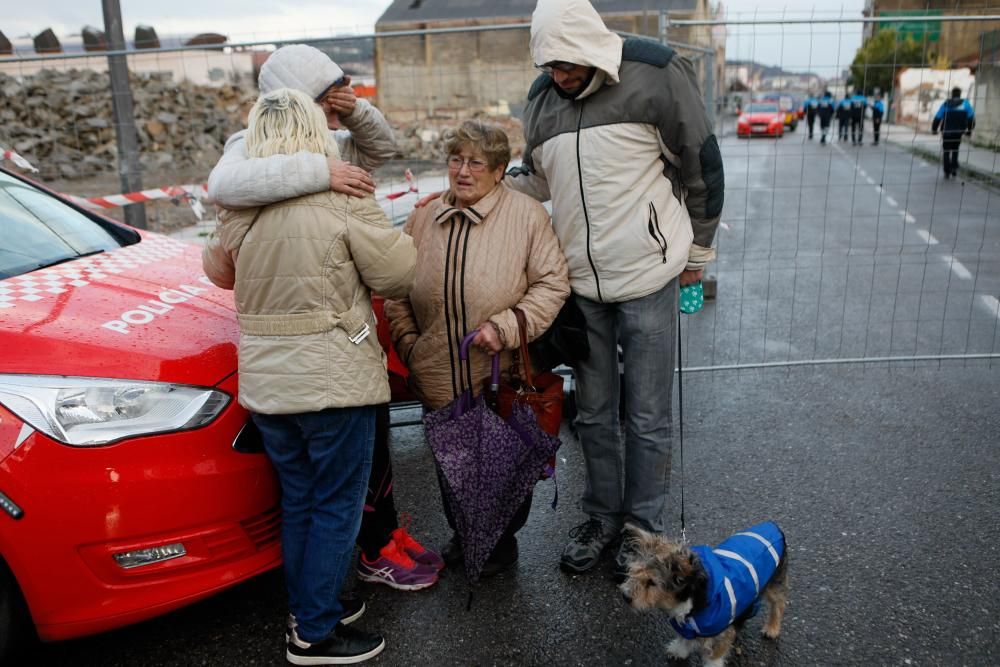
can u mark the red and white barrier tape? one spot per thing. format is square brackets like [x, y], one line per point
[18, 160]
[396, 195]
[193, 194]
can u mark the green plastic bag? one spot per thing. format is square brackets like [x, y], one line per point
[692, 298]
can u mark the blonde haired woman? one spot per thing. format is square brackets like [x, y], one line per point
[310, 373]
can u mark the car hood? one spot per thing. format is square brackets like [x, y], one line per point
[762, 117]
[145, 311]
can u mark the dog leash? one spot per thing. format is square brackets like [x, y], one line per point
[680, 408]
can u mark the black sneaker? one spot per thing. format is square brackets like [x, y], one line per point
[354, 608]
[589, 540]
[624, 557]
[346, 645]
[452, 552]
[503, 558]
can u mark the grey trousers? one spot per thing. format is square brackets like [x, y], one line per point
[628, 484]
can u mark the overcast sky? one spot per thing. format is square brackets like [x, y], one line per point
[825, 49]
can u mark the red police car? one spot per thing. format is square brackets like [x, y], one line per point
[129, 482]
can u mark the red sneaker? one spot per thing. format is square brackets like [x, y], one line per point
[416, 550]
[396, 569]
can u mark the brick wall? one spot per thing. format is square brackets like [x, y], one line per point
[457, 74]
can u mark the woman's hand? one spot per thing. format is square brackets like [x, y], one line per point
[349, 179]
[488, 338]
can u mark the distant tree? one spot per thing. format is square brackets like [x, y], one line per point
[877, 61]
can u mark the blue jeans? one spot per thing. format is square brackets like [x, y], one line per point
[323, 460]
[630, 488]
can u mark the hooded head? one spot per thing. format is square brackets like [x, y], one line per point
[956, 93]
[571, 31]
[286, 121]
[299, 67]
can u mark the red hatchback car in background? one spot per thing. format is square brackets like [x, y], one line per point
[761, 119]
[124, 492]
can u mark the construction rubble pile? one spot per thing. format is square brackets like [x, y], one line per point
[423, 140]
[63, 123]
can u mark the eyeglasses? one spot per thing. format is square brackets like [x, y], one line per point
[455, 163]
[564, 67]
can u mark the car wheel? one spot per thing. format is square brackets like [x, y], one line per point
[14, 626]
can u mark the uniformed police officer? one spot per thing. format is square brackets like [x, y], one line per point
[858, 105]
[809, 107]
[878, 111]
[825, 109]
[843, 117]
[955, 118]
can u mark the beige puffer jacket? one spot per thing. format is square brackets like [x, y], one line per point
[474, 265]
[302, 270]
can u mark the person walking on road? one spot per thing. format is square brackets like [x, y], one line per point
[843, 118]
[389, 554]
[825, 110]
[810, 107]
[858, 105]
[878, 112]
[302, 272]
[618, 138]
[955, 118]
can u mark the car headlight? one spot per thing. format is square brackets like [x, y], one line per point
[85, 412]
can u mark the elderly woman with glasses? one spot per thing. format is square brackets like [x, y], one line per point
[482, 251]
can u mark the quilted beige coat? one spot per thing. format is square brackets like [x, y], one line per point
[301, 270]
[474, 265]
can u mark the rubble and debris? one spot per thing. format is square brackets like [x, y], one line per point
[62, 121]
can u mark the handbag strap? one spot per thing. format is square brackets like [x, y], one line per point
[522, 329]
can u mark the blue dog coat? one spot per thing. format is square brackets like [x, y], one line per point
[738, 570]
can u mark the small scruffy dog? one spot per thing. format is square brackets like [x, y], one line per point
[709, 592]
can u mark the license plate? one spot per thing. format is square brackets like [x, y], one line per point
[759, 128]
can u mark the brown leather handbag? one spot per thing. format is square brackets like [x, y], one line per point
[543, 393]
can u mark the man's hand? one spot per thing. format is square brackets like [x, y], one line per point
[488, 338]
[338, 103]
[349, 179]
[690, 277]
[427, 199]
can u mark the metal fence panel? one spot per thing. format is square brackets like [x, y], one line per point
[828, 253]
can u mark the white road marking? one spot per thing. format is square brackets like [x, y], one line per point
[957, 267]
[991, 303]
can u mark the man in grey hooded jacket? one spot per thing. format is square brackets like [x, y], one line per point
[618, 138]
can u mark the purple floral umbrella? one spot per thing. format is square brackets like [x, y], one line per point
[488, 464]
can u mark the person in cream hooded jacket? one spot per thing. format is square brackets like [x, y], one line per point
[618, 138]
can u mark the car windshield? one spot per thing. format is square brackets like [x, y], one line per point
[40, 231]
[762, 108]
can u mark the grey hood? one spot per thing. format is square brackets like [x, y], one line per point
[572, 31]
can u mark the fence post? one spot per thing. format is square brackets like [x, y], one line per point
[710, 87]
[121, 100]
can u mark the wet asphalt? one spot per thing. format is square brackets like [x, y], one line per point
[884, 476]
